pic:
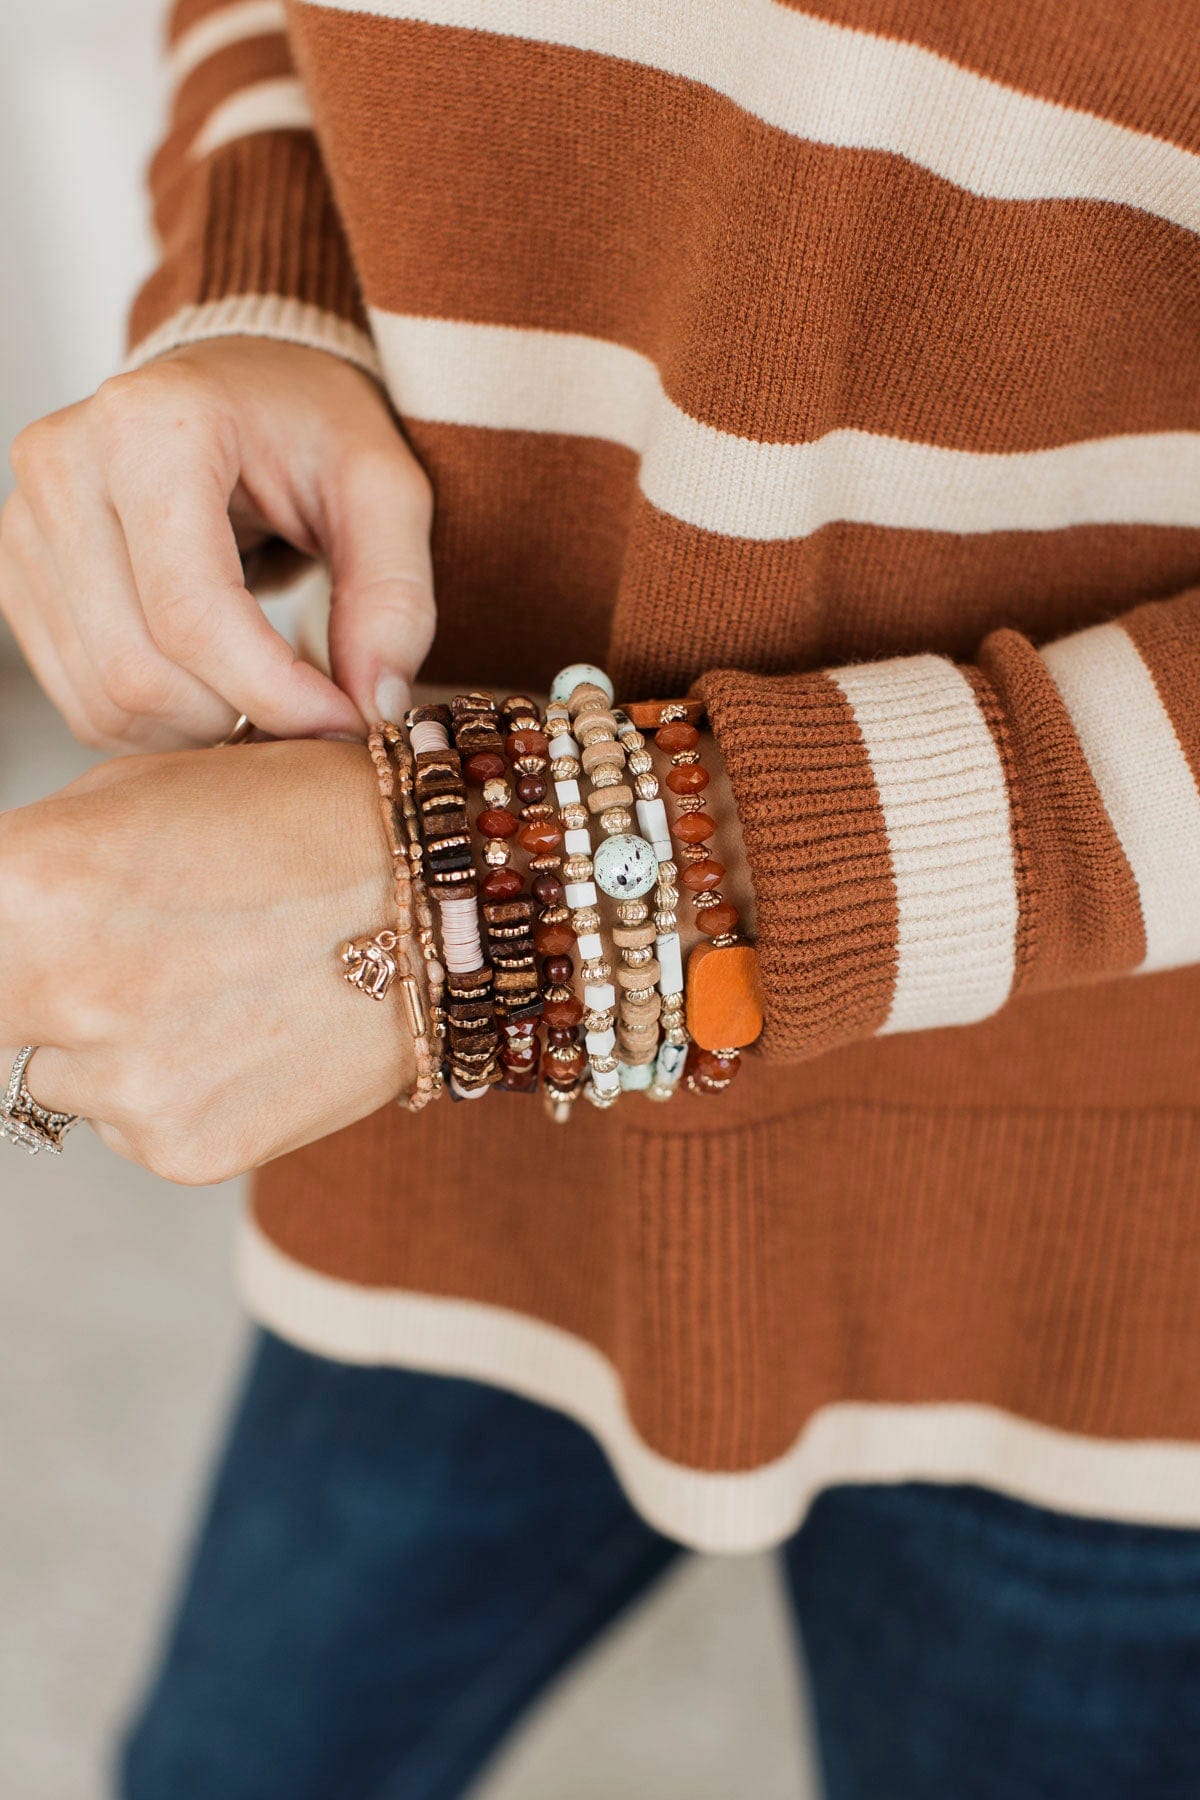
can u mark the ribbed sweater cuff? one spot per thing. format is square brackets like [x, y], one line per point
[875, 807]
[253, 246]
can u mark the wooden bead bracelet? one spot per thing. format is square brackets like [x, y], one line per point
[472, 1040]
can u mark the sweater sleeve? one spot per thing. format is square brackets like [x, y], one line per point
[928, 840]
[249, 234]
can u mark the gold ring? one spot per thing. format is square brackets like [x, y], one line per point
[238, 735]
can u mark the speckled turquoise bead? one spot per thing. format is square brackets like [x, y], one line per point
[574, 675]
[625, 867]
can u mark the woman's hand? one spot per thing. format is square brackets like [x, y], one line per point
[169, 931]
[121, 550]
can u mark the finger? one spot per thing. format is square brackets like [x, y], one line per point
[48, 640]
[58, 1080]
[198, 610]
[166, 705]
[383, 615]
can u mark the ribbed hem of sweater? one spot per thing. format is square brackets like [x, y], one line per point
[254, 248]
[875, 806]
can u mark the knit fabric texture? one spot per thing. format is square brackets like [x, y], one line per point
[839, 363]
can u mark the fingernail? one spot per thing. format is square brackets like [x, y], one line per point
[393, 697]
[340, 737]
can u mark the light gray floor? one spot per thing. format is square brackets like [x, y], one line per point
[118, 1342]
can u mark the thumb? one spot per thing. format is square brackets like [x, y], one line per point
[379, 510]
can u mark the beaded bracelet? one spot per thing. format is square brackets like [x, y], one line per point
[506, 909]
[579, 894]
[472, 1041]
[661, 1081]
[527, 747]
[372, 964]
[625, 868]
[435, 974]
[711, 1066]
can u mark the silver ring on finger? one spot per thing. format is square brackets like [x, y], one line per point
[23, 1121]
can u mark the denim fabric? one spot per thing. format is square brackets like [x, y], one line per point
[963, 1645]
[394, 1564]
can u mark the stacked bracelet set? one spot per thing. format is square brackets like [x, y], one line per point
[537, 943]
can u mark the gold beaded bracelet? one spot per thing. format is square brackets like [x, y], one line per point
[373, 964]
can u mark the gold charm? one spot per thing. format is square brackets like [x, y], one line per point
[370, 965]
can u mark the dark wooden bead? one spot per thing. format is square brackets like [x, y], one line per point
[468, 981]
[484, 765]
[498, 822]
[561, 1034]
[549, 890]
[531, 789]
[517, 909]
[558, 968]
[677, 735]
[689, 778]
[502, 884]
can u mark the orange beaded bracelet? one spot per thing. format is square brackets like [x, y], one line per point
[724, 1000]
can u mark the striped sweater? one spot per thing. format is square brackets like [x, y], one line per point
[841, 361]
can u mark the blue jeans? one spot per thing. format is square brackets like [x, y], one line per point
[394, 1564]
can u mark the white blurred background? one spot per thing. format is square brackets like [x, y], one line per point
[119, 1336]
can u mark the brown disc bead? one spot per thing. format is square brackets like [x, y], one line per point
[498, 822]
[531, 789]
[563, 1012]
[558, 970]
[526, 743]
[561, 1034]
[688, 778]
[702, 877]
[484, 765]
[540, 836]
[549, 890]
[502, 884]
[553, 940]
[677, 735]
[715, 921]
[689, 828]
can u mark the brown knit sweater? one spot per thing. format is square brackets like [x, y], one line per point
[844, 361]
